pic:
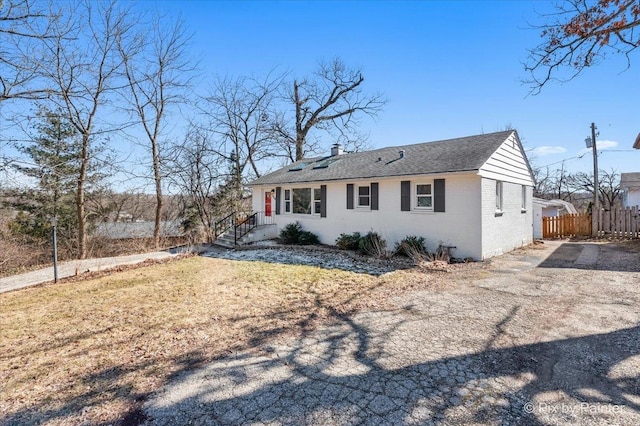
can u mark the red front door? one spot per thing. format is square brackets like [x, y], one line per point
[267, 203]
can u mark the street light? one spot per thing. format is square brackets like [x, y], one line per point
[54, 240]
[595, 209]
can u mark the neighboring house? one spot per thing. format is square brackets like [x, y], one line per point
[636, 144]
[474, 193]
[135, 230]
[545, 208]
[630, 185]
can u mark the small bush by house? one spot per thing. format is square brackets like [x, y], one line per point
[294, 234]
[349, 241]
[372, 244]
[410, 245]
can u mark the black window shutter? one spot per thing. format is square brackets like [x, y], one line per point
[374, 196]
[438, 195]
[323, 200]
[405, 195]
[278, 200]
[350, 196]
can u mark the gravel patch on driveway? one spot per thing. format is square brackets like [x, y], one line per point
[536, 338]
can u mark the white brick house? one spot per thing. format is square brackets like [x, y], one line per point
[474, 193]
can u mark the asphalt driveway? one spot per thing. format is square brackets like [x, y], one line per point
[541, 336]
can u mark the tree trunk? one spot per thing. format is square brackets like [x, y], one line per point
[158, 181]
[80, 200]
[300, 137]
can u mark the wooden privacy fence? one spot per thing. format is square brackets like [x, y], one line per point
[619, 222]
[567, 225]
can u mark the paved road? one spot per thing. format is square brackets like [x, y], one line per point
[540, 337]
[75, 267]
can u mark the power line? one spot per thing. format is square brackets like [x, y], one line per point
[563, 160]
[600, 152]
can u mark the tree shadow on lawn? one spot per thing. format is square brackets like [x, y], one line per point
[342, 373]
[111, 383]
[341, 378]
[339, 374]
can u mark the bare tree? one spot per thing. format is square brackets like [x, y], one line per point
[84, 69]
[158, 69]
[200, 174]
[331, 100]
[609, 190]
[553, 184]
[24, 25]
[239, 115]
[579, 34]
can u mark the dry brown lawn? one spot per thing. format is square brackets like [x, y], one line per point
[91, 351]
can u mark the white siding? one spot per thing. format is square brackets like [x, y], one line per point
[537, 221]
[508, 164]
[458, 226]
[511, 228]
[631, 197]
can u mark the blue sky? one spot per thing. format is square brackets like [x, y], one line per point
[448, 69]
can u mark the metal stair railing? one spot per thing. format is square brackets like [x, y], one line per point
[242, 223]
[244, 226]
[224, 224]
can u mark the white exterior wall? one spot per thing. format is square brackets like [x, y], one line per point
[631, 197]
[459, 225]
[538, 213]
[551, 211]
[537, 221]
[508, 164]
[511, 228]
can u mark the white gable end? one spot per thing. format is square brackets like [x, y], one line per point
[508, 163]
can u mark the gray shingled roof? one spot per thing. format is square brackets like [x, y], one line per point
[630, 180]
[452, 155]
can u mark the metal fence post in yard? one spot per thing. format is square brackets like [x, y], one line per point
[54, 241]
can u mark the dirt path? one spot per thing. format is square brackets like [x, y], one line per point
[541, 336]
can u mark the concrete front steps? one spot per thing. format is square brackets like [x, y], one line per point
[259, 233]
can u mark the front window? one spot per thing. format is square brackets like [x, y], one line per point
[498, 196]
[302, 200]
[287, 201]
[364, 196]
[524, 198]
[424, 196]
[316, 201]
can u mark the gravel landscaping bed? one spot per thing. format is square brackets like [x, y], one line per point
[323, 257]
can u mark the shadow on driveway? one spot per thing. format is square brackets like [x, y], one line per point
[594, 256]
[339, 380]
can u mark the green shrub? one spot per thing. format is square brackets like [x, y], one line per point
[294, 234]
[348, 241]
[410, 245]
[372, 244]
[306, 238]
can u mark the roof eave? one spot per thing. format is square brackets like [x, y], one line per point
[448, 172]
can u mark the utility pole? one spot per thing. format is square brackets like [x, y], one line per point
[595, 209]
[596, 199]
